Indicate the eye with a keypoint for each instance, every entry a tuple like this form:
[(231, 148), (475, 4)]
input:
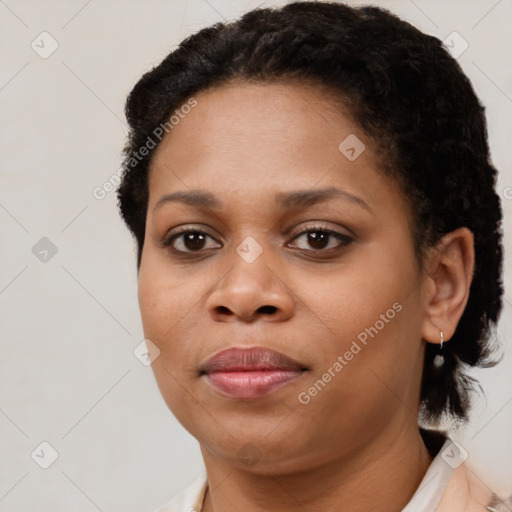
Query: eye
[(323, 239), (320, 238), (188, 240)]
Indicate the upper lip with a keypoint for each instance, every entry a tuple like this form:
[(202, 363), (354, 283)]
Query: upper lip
[(253, 358)]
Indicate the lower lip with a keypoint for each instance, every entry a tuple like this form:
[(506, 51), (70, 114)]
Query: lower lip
[(251, 384)]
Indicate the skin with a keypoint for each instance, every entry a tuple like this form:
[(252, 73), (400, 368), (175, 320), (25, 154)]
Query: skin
[(356, 442)]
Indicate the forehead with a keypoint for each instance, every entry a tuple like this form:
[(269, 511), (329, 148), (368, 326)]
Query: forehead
[(278, 117), (244, 141)]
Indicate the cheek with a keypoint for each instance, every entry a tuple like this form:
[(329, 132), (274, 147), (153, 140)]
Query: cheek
[(354, 296), (165, 311), (164, 303), (370, 315), (155, 303)]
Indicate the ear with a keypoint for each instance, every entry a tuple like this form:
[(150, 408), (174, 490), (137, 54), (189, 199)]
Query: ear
[(449, 269)]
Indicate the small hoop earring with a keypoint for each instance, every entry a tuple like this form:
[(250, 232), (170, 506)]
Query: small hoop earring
[(442, 339)]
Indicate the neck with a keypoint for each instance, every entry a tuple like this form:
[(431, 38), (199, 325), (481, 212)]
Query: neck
[(383, 476)]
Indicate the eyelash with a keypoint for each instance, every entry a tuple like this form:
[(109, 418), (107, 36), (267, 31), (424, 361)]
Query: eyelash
[(344, 240)]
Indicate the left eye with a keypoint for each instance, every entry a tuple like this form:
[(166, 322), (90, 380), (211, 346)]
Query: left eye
[(320, 239)]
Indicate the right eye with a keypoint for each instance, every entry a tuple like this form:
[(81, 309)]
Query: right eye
[(188, 241)]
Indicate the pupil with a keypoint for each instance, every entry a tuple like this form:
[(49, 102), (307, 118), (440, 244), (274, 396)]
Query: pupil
[(319, 239), (192, 244)]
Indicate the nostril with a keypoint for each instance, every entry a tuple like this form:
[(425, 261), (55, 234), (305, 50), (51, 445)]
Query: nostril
[(223, 310)]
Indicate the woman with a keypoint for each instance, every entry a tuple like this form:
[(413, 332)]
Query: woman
[(319, 258)]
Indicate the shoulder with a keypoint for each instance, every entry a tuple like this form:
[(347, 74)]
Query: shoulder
[(460, 487), (189, 499)]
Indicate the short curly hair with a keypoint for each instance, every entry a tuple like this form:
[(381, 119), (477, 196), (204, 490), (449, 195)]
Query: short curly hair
[(408, 95)]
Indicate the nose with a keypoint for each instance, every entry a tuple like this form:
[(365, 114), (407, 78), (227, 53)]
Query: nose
[(250, 291)]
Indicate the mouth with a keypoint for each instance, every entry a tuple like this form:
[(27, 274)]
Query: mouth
[(249, 373)]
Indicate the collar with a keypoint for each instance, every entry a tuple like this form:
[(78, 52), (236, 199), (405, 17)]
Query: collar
[(431, 489)]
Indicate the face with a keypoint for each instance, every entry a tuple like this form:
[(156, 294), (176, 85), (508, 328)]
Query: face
[(327, 277)]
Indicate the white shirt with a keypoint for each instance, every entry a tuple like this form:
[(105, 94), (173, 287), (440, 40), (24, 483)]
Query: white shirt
[(425, 499)]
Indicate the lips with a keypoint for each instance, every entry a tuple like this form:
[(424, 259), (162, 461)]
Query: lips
[(248, 373), (250, 359)]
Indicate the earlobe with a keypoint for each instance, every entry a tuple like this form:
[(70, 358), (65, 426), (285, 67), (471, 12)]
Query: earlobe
[(450, 268)]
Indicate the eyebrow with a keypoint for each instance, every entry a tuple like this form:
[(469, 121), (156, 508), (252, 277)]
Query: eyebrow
[(288, 200)]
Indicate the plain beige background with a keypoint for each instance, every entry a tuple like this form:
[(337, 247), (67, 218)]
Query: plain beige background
[(69, 316)]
